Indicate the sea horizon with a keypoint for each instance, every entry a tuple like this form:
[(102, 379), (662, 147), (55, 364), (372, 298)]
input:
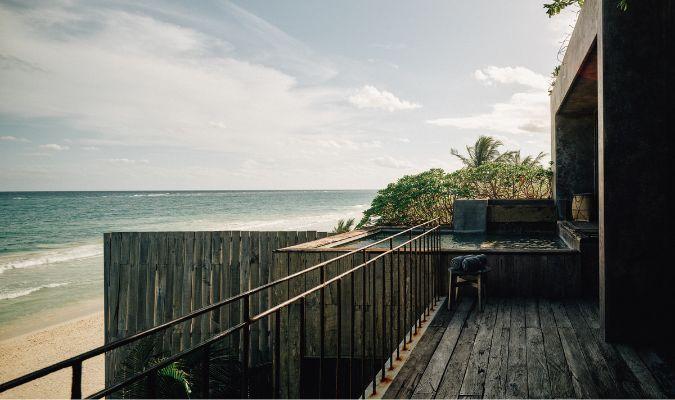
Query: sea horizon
[(51, 248)]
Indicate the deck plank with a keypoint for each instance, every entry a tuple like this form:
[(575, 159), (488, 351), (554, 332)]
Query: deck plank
[(538, 383), (431, 378), (648, 383), (516, 374), (532, 314), (661, 371), (558, 372), (409, 375), (454, 372), (627, 383), (600, 372), (560, 315), (495, 379), (580, 373), (530, 348), (474, 377)]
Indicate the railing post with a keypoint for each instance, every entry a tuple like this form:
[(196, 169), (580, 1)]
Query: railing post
[(425, 276), (405, 295), (384, 319), (391, 307), (301, 352), (373, 307), (398, 303), (246, 338), (352, 326), (363, 326), (76, 383), (276, 361), (322, 329), (415, 279), (339, 338)]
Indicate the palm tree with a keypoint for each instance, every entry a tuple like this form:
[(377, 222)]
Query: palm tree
[(343, 226), (530, 161), (485, 150)]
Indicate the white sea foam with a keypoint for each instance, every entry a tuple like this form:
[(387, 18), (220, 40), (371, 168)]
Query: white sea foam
[(26, 292), (151, 195), (36, 259)]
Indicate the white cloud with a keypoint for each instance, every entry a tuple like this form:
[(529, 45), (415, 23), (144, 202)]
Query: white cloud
[(522, 113), (507, 75), (403, 140), (142, 81), (90, 148), (391, 162), (371, 97), (12, 139), (53, 146), (126, 161)]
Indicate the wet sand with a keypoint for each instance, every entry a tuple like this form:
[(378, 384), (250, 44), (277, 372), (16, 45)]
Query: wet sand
[(28, 352)]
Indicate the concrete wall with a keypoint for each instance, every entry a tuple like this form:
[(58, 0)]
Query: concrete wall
[(521, 216), (575, 158), (636, 126)]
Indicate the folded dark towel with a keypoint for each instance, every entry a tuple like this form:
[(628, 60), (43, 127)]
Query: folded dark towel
[(468, 264), (474, 263), (456, 263)]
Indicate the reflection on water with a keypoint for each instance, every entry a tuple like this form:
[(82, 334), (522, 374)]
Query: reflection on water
[(474, 241)]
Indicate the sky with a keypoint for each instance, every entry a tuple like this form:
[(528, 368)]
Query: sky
[(238, 95)]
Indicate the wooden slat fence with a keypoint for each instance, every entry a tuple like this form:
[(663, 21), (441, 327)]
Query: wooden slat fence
[(154, 277)]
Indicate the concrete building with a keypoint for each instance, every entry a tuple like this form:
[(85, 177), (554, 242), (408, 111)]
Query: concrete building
[(613, 125)]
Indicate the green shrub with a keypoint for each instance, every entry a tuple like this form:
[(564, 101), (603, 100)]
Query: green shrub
[(417, 198)]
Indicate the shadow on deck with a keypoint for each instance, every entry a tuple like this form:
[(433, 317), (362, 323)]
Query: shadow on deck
[(527, 348)]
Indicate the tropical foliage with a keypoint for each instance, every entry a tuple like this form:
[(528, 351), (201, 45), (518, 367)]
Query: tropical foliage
[(430, 194), (412, 198), (171, 381), (343, 225), (485, 150), (556, 6), (514, 157)]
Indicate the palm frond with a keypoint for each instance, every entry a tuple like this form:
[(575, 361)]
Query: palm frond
[(343, 226)]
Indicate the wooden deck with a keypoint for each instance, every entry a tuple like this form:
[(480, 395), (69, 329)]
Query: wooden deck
[(527, 348)]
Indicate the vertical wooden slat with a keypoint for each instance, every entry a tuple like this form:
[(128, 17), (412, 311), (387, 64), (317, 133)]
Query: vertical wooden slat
[(196, 299), (266, 239), (205, 264), (253, 282), (235, 308), (216, 269)]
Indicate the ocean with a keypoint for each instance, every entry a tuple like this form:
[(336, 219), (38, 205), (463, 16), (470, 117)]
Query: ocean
[(51, 251)]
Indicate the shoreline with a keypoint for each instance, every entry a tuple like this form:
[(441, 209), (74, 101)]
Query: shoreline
[(73, 329), (51, 318)]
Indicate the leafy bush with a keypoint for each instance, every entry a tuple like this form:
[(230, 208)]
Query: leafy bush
[(413, 198), (417, 198)]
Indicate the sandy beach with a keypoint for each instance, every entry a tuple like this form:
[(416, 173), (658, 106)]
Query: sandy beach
[(30, 351)]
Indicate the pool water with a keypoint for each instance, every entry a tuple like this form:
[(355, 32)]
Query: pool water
[(472, 241)]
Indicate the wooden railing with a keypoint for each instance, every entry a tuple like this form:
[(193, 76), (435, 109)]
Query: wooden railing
[(417, 264)]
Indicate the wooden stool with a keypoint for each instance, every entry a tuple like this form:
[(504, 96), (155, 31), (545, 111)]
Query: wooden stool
[(475, 279)]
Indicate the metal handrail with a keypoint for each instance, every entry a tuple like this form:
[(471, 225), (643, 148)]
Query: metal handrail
[(75, 362)]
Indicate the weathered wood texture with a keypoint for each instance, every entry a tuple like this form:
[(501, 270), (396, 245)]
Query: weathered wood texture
[(552, 275), (154, 277), (387, 297), (528, 348)]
